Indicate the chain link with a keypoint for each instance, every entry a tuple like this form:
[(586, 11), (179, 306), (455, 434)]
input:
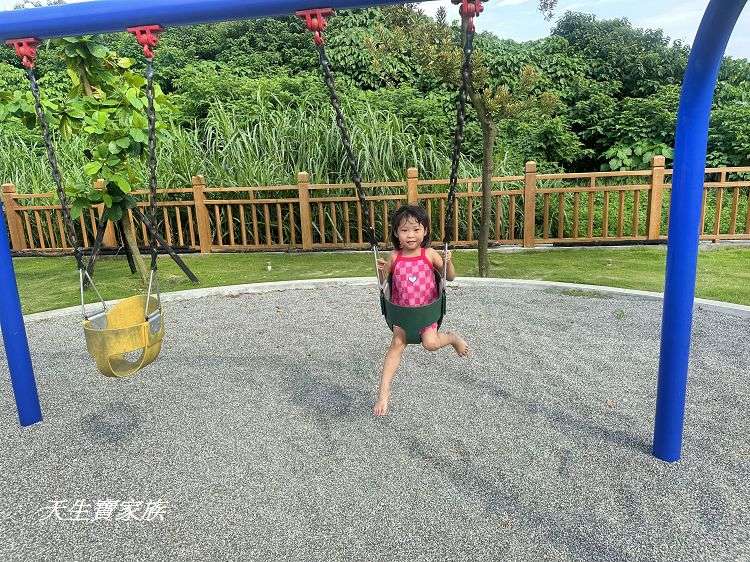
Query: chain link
[(69, 228), (346, 141), (459, 134), (151, 113)]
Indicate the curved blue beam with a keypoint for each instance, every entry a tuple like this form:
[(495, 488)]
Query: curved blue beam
[(691, 141), (116, 15)]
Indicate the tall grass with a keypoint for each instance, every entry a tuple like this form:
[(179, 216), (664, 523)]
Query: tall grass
[(271, 145), (24, 163), (266, 147)]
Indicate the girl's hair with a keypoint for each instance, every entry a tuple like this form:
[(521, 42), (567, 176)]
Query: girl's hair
[(405, 213)]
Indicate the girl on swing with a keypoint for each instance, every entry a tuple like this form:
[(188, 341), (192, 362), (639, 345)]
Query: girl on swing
[(412, 263)]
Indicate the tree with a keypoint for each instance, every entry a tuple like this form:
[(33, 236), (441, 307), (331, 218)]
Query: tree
[(493, 102), (639, 129), (493, 105), (642, 60), (547, 7), (364, 46), (729, 137), (106, 103)]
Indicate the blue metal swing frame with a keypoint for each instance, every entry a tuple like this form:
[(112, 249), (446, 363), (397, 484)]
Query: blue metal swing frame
[(685, 206)]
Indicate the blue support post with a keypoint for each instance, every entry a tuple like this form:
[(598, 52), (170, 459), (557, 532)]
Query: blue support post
[(106, 16), (691, 141), (14, 336)]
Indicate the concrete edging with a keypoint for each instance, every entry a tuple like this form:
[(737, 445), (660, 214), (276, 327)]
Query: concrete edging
[(740, 310)]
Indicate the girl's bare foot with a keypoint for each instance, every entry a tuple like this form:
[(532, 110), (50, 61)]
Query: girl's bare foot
[(461, 347), (381, 407)]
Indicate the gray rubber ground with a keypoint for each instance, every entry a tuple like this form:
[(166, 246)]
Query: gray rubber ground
[(255, 427)]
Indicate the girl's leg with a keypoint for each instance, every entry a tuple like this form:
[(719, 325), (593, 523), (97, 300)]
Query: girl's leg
[(432, 340), (392, 361)]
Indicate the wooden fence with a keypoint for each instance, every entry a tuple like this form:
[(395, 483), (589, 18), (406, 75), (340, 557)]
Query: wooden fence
[(526, 210)]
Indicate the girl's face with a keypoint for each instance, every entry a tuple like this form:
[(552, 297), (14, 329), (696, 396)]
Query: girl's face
[(410, 234)]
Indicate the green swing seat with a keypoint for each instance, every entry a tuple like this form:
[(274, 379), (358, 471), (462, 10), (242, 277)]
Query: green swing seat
[(412, 319)]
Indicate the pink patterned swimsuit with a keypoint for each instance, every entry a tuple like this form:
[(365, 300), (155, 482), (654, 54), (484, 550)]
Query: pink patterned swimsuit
[(414, 283)]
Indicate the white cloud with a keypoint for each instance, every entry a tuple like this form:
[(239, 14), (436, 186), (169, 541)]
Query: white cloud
[(683, 24), (431, 8), (585, 5), (688, 16)]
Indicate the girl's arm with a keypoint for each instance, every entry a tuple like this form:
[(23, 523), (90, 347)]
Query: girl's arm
[(436, 259), (384, 267), (437, 263)]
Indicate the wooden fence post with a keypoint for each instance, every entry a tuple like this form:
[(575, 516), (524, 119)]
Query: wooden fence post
[(655, 197), (719, 204), (109, 240), (303, 188), (13, 218), (201, 215), (412, 192), (529, 205)]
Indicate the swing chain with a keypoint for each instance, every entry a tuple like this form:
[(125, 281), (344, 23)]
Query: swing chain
[(151, 113), (458, 137), (147, 37), (26, 51), (316, 23), (346, 141), (55, 169)]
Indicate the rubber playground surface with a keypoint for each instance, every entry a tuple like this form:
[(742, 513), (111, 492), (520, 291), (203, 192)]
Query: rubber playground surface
[(251, 437)]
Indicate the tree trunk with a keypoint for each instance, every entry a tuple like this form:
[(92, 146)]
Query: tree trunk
[(101, 226), (121, 242), (132, 244), (87, 89), (489, 134)]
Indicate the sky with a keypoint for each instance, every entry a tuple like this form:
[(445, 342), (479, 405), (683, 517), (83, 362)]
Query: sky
[(520, 20)]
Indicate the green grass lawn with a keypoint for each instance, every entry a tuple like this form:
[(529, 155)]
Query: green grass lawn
[(723, 273)]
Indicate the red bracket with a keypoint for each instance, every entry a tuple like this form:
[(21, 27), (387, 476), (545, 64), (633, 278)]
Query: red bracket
[(25, 49), (147, 37), (316, 21), (470, 9)]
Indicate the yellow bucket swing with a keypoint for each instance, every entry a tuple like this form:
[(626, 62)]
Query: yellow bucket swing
[(127, 336), (124, 338)]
